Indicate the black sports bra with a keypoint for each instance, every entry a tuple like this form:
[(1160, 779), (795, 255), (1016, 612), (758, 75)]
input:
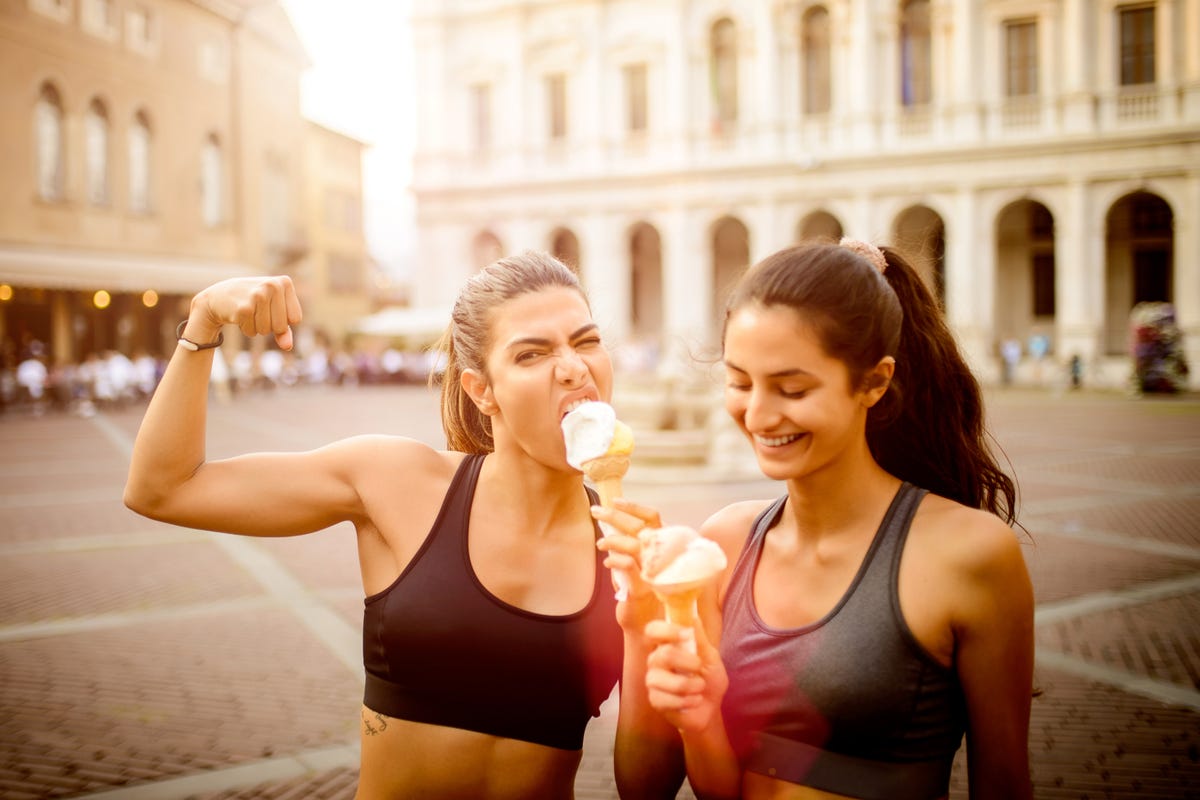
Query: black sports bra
[(439, 648)]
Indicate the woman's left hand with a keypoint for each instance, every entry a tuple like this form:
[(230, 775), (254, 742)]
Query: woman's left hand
[(622, 524)]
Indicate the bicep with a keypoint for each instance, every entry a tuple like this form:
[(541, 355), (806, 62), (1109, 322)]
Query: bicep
[(268, 494)]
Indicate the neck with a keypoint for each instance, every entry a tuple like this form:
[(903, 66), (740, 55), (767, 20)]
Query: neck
[(521, 488), (841, 497)]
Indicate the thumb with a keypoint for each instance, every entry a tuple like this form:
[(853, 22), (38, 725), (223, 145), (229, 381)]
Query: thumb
[(284, 340), (711, 621)]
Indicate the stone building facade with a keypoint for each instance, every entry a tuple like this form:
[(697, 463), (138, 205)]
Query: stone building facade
[(150, 149), (1039, 159)]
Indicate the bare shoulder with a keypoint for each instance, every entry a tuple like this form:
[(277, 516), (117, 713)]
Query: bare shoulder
[(730, 526), (970, 537), (979, 551), (371, 455)]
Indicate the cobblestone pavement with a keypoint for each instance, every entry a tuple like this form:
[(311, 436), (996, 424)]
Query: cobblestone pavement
[(143, 661)]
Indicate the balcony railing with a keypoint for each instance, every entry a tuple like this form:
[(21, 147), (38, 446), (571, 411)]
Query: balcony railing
[(1021, 113), (1137, 103)]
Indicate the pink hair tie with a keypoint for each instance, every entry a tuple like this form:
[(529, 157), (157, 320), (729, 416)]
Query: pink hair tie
[(867, 250)]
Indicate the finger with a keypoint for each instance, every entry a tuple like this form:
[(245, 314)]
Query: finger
[(649, 516), (620, 543), (278, 307), (626, 523), (279, 314), (709, 629), (674, 657), (295, 315), (673, 683), (666, 702), (621, 562), (660, 631), (262, 308)]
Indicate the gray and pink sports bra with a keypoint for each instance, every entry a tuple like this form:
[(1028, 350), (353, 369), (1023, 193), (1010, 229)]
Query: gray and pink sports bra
[(851, 704)]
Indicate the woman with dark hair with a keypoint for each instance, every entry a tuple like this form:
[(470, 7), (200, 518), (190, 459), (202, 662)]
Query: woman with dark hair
[(881, 608), (489, 633)]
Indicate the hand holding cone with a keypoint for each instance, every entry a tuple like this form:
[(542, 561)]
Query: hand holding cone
[(678, 563)]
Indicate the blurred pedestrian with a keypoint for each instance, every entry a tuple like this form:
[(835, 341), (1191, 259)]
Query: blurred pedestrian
[(881, 608), (32, 376), (490, 636), (1010, 356)]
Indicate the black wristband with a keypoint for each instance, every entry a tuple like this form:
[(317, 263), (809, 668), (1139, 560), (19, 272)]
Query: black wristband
[(190, 345)]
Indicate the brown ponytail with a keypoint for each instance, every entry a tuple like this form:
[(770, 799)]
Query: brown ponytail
[(929, 427)]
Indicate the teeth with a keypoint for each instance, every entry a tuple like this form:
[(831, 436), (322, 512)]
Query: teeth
[(776, 441), (576, 405)]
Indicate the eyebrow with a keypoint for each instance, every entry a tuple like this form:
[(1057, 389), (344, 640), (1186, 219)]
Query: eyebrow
[(783, 373), (539, 341)]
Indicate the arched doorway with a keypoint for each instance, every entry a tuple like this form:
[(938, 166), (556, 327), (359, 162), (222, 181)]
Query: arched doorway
[(1139, 256), (564, 245), (485, 248), (1025, 276), (645, 285), (819, 226), (920, 235), (730, 243)]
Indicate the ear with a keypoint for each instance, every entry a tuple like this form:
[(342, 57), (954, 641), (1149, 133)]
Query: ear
[(877, 381), (479, 390)]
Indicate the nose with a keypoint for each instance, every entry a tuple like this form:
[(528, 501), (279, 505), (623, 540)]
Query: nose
[(760, 411), (570, 368)]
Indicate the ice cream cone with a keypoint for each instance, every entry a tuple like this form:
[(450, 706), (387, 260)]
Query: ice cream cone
[(680, 605), (606, 473), (599, 445)]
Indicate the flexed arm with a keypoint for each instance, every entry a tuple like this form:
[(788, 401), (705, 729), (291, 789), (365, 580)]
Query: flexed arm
[(263, 494)]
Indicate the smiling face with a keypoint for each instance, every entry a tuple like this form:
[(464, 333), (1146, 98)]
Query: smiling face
[(793, 400), (545, 356)]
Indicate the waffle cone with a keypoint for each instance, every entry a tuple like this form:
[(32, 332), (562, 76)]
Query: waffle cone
[(606, 472), (681, 607)]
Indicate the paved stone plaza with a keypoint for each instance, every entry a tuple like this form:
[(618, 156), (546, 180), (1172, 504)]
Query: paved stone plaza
[(143, 661)]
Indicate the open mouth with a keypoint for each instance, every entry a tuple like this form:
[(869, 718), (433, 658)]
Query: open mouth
[(574, 406)]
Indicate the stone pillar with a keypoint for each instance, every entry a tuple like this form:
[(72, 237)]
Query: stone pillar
[(687, 291), (970, 278), (1079, 279), (606, 273), (1078, 44), (62, 331), (1187, 276), (1189, 79)]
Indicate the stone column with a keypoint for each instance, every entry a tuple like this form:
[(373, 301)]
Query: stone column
[(1078, 44), (970, 278), (687, 290), (1189, 78), (604, 254), (1187, 276), (1079, 278)]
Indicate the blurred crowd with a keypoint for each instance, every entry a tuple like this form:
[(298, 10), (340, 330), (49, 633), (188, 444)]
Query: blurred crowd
[(30, 383)]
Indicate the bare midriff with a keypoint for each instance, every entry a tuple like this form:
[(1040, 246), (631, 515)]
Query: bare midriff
[(403, 759), (763, 787)]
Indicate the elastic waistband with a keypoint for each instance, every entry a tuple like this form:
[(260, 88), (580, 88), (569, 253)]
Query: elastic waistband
[(804, 764), (470, 710)]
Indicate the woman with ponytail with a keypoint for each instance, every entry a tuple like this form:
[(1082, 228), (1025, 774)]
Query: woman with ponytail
[(489, 633), (880, 610)]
